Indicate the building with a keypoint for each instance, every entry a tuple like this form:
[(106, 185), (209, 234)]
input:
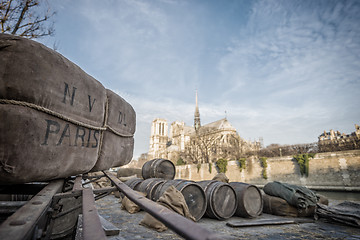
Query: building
[(335, 140), (197, 144)]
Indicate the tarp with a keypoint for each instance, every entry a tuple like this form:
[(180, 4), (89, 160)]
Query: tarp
[(297, 196), (345, 212)]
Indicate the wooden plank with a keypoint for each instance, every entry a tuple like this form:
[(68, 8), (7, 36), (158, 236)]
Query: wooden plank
[(109, 228), (21, 224), (264, 222)]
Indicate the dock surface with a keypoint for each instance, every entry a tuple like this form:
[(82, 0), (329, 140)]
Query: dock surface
[(110, 209)]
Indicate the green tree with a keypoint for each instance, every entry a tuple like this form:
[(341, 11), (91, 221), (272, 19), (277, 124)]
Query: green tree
[(222, 165), (180, 161), (263, 161), (303, 162), (242, 163)]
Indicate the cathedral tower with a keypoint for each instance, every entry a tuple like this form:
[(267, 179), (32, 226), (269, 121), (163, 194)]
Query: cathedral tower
[(158, 138), (197, 123)]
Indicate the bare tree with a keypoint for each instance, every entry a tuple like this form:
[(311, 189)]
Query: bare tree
[(191, 153), (231, 148), (276, 150), (26, 18), (207, 144), (201, 148)]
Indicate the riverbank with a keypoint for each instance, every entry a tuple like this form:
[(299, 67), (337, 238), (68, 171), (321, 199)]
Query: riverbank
[(331, 171), (110, 208)]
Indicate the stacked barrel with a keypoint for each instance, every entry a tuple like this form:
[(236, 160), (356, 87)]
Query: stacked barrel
[(213, 199)]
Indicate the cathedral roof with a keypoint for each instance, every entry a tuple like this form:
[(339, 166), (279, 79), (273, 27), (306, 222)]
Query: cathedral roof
[(188, 130), (222, 124)]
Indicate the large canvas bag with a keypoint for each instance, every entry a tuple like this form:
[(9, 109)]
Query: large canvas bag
[(52, 115)]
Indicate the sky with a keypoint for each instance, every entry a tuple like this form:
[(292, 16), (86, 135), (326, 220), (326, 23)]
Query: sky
[(281, 70)]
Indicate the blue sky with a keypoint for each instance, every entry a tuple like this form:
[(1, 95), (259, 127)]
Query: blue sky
[(282, 70)]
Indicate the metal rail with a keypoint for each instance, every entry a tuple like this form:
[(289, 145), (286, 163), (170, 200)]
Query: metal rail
[(92, 228), (28, 221), (78, 193), (179, 224), (21, 224)]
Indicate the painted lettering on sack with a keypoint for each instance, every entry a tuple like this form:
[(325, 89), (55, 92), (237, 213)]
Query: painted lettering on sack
[(66, 134), (67, 93), (70, 93), (91, 104), (122, 119)]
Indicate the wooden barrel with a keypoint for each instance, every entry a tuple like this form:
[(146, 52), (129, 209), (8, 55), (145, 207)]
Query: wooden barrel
[(194, 195), (149, 186), (134, 183), (158, 168), (250, 200), (221, 199)]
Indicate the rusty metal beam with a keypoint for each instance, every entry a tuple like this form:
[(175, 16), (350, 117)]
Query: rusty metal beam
[(21, 224), (179, 224), (92, 228), (77, 183), (78, 193)]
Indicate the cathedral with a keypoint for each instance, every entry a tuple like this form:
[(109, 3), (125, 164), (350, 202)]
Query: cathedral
[(198, 143)]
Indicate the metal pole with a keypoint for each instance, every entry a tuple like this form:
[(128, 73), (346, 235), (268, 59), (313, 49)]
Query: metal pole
[(179, 224)]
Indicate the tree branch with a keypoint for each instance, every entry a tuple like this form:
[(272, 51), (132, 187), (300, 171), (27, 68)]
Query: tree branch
[(6, 15), (21, 17)]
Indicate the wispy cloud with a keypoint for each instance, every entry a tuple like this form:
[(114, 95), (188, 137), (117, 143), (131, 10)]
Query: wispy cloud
[(283, 70), (298, 57)]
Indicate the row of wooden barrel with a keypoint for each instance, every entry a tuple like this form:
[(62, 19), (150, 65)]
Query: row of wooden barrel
[(210, 198)]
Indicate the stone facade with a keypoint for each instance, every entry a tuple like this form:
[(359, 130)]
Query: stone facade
[(158, 138), (335, 140)]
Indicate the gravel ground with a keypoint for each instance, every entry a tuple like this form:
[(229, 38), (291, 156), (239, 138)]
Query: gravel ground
[(110, 208)]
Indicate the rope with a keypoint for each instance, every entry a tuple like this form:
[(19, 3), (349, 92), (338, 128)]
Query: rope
[(7, 168), (58, 115), (101, 133)]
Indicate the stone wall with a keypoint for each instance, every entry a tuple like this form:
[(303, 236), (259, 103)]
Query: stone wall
[(327, 171)]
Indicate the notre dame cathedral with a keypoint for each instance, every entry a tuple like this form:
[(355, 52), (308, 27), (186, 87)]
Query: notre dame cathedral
[(198, 143)]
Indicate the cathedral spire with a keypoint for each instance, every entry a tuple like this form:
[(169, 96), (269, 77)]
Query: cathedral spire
[(197, 124)]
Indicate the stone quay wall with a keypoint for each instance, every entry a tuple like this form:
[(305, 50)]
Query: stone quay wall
[(335, 171)]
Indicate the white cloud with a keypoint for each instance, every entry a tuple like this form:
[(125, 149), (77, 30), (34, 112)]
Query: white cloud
[(292, 67), (285, 70)]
